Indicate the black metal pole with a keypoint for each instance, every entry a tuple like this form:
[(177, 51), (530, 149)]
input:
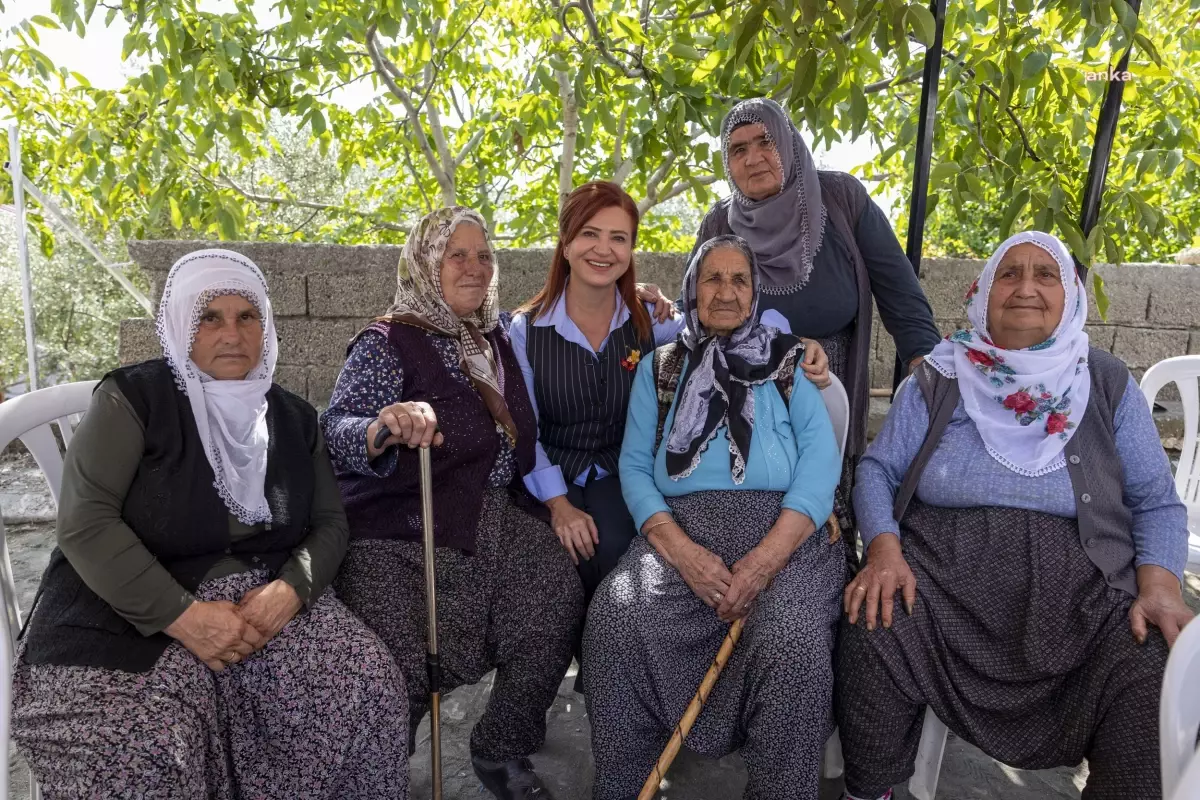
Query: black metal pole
[(1106, 131), (930, 78)]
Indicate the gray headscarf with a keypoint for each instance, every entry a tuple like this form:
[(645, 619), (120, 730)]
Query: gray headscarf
[(717, 388), (784, 230)]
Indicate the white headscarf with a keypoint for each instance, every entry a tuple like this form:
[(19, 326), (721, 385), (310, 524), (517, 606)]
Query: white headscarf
[(231, 416), (1026, 404)]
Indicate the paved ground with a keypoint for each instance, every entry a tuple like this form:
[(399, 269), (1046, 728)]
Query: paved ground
[(566, 761)]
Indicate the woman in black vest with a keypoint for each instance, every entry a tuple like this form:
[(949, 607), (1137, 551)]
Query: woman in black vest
[(182, 644), (579, 341), (508, 598), (1019, 500)]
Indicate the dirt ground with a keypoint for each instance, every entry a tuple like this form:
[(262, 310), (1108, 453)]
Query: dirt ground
[(565, 762)]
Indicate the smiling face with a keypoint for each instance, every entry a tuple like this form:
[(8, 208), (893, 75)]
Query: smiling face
[(602, 251), (754, 162), (724, 291), (229, 340), (1027, 297), (467, 267)]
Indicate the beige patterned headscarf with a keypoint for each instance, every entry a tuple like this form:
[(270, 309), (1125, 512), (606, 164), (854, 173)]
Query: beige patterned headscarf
[(420, 301)]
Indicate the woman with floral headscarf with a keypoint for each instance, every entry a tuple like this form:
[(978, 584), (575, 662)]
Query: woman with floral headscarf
[(826, 252), (438, 369), (182, 644), (1019, 500), (728, 467)]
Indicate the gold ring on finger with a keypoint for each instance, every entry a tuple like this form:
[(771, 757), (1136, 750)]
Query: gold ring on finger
[(860, 588)]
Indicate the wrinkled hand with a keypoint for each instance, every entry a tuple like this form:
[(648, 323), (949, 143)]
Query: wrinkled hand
[(575, 529), (413, 424), (705, 574), (816, 363), (1159, 603), (885, 573), (751, 574), (269, 608), (215, 633), (650, 293)]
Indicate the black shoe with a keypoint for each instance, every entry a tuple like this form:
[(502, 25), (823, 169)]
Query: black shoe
[(510, 780)]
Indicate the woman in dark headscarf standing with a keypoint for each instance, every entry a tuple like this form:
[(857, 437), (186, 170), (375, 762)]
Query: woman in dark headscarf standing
[(825, 250)]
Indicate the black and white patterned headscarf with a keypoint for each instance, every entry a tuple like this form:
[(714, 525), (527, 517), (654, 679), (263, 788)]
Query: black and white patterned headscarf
[(717, 388), (784, 230), (231, 416)]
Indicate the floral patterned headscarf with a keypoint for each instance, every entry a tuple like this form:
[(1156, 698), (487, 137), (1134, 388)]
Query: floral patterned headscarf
[(420, 301), (1026, 404)]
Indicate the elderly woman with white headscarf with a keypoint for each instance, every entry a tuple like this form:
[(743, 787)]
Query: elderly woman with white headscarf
[(826, 252), (728, 467), (439, 369), (182, 643), (1019, 501)]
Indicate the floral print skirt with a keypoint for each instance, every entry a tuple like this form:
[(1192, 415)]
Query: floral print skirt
[(319, 713)]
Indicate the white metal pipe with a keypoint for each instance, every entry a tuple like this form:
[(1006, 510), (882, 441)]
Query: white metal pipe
[(14, 168)]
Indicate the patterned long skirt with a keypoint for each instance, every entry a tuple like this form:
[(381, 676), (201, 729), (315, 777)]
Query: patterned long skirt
[(1018, 644), (515, 606), (649, 640), (318, 713)]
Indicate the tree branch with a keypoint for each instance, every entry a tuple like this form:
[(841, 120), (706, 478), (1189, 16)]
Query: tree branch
[(896, 80), (388, 72), (264, 199), (676, 189), (466, 149), (1012, 116), (585, 7)]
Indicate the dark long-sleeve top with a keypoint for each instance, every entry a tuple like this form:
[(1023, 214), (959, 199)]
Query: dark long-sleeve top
[(99, 468), (828, 303)]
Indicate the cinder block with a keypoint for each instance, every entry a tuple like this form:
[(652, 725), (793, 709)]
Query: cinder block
[(287, 290), (1174, 296), (1141, 348), (1101, 336), (352, 293), (1194, 342), (294, 379), (138, 341), (1128, 293), (308, 342), (321, 381)]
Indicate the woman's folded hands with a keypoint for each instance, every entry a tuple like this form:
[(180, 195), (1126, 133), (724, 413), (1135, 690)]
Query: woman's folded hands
[(220, 633)]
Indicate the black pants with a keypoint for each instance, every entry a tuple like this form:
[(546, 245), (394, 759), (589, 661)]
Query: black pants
[(602, 499)]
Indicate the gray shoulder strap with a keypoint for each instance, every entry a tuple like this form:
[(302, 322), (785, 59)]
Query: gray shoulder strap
[(941, 397)]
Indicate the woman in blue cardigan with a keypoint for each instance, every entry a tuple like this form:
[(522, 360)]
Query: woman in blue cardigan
[(726, 465)]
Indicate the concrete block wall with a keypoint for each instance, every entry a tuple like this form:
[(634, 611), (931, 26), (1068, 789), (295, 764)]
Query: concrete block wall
[(323, 294)]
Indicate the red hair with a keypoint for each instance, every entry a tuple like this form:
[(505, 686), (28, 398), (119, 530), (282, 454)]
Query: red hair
[(580, 206)]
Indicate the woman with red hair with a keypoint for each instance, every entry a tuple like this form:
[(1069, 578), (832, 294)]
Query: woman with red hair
[(579, 341)]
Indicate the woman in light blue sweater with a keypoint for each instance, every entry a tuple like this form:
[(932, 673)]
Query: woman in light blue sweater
[(728, 468)]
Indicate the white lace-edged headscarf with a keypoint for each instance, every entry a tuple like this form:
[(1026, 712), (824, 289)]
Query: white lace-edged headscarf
[(1026, 404), (231, 416)]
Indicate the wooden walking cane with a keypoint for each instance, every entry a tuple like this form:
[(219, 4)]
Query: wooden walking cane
[(701, 697), (433, 664)]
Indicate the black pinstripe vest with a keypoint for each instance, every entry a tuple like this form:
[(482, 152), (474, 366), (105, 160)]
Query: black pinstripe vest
[(582, 398)]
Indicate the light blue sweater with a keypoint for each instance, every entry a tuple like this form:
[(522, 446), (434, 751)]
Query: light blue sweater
[(792, 450)]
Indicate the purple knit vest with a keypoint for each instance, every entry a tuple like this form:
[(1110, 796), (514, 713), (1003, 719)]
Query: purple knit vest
[(390, 508)]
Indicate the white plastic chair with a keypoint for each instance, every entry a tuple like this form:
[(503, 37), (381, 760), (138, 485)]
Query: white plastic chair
[(923, 784), (1184, 371), (28, 417), (1179, 717)]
